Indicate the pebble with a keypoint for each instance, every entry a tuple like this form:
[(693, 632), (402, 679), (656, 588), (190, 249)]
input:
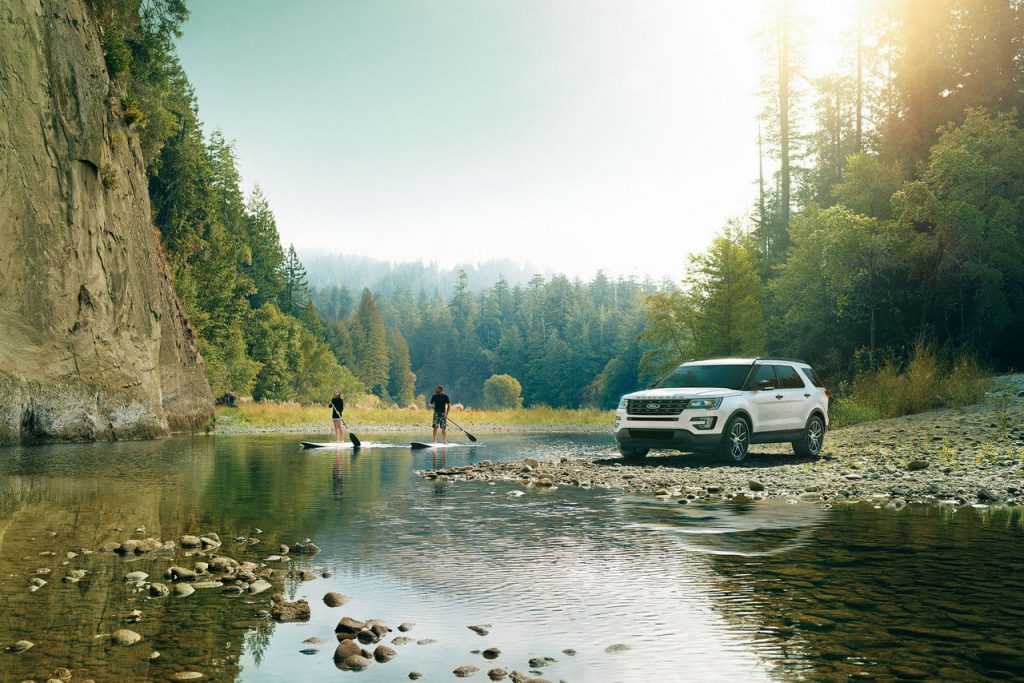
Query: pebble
[(480, 629), (465, 671), (20, 646), (405, 627), (617, 647), (415, 675), (491, 653)]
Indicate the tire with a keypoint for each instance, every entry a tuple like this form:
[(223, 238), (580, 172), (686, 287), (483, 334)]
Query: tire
[(633, 453), (813, 439), (735, 441)]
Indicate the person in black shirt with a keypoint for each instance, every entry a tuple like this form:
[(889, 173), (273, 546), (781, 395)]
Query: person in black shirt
[(441, 404), (337, 405)]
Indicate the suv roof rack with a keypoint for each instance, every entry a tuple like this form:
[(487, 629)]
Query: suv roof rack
[(790, 360)]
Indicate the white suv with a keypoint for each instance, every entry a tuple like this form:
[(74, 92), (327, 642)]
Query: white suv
[(724, 405)]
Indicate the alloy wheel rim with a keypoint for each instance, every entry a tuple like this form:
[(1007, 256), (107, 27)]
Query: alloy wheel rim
[(814, 435), (738, 436)]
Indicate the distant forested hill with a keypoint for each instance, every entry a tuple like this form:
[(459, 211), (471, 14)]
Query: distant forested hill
[(384, 278)]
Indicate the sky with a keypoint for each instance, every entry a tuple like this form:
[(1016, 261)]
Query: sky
[(576, 135)]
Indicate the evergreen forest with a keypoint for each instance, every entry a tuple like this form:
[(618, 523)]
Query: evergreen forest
[(890, 213)]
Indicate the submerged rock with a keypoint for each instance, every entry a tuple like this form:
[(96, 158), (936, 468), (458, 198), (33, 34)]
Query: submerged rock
[(124, 636), (283, 611), (465, 671), (383, 653), (480, 629)]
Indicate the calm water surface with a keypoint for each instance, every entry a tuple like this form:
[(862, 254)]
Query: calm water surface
[(738, 591)]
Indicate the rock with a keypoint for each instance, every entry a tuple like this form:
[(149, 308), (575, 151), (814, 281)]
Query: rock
[(465, 671), (569, 651), (208, 542), (183, 590), (415, 675), (383, 653), (401, 640), (135, 577), (158, 590), (538, 662), (405, 627), (915, 465), (308, 548), (180, 574), (491, 653), (223, 565), (123, 636), (987, 494), (810, 496), (366, 637), (497, 674), (61, 674), (480, 629), (307, 575), (755, 485), (349, 625), (20, 646), (284, 611), (309, 651), (259, 585), (313, 640), (357, 662), (333, 599), (426, 641), (207, 584), (38, 583), (617, 647), (186, 676), (531, 462), (189, 541), (346, 649)]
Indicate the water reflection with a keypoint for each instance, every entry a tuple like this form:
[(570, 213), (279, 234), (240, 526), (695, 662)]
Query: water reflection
[(745, 590)]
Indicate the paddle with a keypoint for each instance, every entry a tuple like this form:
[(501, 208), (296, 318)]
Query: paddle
[(468, 435), (355, 439)]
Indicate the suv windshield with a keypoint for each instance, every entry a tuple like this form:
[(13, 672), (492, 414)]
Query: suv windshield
[(705, 377)]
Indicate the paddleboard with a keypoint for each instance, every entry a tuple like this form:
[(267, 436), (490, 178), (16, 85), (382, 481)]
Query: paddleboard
[(420, 444), (329, 444)]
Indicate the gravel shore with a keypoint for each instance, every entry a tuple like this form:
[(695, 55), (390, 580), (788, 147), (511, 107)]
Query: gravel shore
[(972, 455)]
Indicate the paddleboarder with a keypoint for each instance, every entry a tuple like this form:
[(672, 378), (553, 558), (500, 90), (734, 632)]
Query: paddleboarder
[(337, 405), (441, 404)]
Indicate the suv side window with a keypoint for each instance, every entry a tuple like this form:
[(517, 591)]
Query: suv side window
[(813, 376), (760, 374), (788, 377)]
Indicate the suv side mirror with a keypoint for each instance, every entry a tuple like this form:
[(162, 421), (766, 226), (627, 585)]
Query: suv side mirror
[(765, 385), (651, 385)]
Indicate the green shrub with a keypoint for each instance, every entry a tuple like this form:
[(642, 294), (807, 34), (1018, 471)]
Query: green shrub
[(847, 412), (966, 383)]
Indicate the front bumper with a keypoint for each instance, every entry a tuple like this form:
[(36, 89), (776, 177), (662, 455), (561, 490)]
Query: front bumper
[(679, 433)]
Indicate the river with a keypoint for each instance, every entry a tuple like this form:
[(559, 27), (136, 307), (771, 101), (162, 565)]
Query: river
[(635, 589)]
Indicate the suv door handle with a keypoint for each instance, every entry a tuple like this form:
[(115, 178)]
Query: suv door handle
[(778, 395), (807, 395)]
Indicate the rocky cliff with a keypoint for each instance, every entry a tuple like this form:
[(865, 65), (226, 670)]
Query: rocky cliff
[(93, 341)]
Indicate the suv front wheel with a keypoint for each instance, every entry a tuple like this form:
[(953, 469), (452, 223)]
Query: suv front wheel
[(813, 439), (735, 440)]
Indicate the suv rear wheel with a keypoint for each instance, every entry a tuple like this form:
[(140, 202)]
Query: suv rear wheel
[(735, 440), (813, 439), (633, 453)]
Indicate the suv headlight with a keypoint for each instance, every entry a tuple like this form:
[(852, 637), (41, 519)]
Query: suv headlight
[(704, 403), (622, 403)]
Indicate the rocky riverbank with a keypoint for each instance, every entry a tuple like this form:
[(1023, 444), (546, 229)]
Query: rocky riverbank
[(973, 455)]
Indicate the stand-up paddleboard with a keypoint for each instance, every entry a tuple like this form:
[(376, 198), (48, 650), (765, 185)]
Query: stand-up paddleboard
[(328, 444), (420, 444)]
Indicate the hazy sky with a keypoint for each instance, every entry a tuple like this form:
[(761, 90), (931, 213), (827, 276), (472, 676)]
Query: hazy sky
[(574, 134)]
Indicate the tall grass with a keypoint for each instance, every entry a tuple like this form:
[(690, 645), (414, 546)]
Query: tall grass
[(270, 415), (923, 383)]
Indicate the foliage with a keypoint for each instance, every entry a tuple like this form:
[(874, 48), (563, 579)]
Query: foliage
[(502, 392), (924, 381)]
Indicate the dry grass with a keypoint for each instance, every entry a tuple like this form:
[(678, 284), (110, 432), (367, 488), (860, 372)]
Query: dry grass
[(925, 383)]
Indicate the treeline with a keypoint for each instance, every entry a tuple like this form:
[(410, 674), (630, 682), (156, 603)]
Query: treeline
[(346, 275), (564, 343), (894, 212), (246, 298)]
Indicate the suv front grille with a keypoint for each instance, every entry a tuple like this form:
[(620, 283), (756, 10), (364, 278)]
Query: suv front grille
[(656, 406)]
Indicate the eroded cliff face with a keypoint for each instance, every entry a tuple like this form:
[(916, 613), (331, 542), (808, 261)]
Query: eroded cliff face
[(93, 341)]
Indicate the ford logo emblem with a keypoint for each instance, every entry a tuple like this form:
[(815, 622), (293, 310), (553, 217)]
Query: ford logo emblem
[(653, 406)]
